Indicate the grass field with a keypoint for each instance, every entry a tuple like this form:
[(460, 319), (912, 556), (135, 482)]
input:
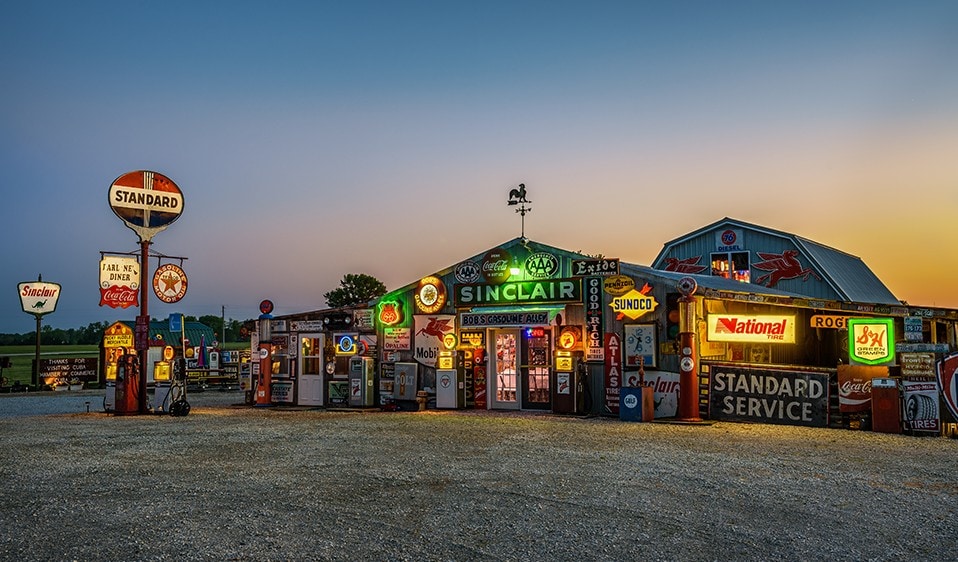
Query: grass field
[(22, 356)]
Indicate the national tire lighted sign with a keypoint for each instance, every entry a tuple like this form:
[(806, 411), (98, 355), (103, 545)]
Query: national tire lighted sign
[(751, 328)]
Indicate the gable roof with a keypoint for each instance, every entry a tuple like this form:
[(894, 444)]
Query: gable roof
[(846, 274)]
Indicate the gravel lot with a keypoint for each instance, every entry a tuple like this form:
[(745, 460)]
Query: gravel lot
[(239, 483)]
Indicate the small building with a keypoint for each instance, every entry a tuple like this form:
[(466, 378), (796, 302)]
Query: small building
[(529, 326)]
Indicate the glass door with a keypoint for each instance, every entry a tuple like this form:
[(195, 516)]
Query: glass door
[(311, 370), (534, 368), (504, 370)]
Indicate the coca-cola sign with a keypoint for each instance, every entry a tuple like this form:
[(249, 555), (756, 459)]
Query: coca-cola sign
[(119, 281), (855, 387), (496, 266)]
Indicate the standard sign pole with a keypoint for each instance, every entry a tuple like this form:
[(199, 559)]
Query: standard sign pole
[(147, 202)]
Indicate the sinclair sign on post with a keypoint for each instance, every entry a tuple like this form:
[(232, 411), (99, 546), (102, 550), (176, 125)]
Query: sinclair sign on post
[(147, 202)]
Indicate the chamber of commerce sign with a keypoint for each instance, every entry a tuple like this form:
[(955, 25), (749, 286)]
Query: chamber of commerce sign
[(538, 292), (749, 328)]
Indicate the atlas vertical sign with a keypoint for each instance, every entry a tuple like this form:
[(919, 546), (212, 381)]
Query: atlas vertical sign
[(147, 202)]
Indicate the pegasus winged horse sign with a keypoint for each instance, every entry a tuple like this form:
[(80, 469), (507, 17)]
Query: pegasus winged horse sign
[(782, 266)]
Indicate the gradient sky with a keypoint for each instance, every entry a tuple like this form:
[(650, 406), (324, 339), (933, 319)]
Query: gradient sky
[(314, 139)]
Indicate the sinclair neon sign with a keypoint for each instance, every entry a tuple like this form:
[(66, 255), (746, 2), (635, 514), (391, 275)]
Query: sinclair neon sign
[(751, 328)]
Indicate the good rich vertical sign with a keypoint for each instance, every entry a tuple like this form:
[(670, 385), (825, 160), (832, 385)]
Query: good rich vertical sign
[(593, 319)]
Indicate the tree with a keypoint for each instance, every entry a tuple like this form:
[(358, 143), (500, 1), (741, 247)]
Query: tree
[(355, 288)]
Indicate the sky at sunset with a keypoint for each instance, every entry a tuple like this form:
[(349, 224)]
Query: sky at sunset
[(313, 139)]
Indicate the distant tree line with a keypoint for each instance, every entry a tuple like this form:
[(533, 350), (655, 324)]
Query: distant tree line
[(92, 334)]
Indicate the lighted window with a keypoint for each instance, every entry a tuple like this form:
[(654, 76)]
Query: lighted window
[(732, 265)]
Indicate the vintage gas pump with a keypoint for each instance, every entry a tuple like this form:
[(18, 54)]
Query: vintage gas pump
[(450, 386), (127, 385), (362, 375), (565, 392), (688, 355), (264, 395)]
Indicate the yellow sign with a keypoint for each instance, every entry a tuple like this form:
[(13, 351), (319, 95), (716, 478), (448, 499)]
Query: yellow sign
[(118, 334), (828, 321), (618, 285), (634, 304)]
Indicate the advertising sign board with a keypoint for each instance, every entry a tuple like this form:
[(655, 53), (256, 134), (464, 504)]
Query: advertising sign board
[(38, 297), (147, 202), (738, 393)]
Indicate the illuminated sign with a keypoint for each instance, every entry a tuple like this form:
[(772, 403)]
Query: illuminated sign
[(119, 282), (473, 338), (346, 344), (535, 332), (390, 313), (541, 265), (118, 335), (569, 337), (634, 303), (542, 291), (449, 340), (748, 328), (871, 341), (431, 295)]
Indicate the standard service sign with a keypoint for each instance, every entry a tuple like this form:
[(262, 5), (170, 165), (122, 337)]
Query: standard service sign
[(147, 202)]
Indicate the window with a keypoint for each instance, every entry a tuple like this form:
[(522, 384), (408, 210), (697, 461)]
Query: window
[(732, 265)]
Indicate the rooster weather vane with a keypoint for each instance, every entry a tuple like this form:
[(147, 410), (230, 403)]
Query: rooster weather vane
[(517, 196)]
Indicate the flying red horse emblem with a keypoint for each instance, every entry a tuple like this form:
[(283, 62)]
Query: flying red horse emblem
[(687, 265), (436, 327), (782, 266)]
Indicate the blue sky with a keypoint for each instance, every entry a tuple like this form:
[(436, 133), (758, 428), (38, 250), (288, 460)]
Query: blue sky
[(314, 139)]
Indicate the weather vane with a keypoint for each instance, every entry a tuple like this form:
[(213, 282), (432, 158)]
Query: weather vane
[(517, 196)]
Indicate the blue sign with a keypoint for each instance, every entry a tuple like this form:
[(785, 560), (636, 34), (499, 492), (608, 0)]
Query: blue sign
[(176, 322)]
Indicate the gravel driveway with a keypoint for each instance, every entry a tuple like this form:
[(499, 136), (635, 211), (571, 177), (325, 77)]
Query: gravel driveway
[(240, 483)]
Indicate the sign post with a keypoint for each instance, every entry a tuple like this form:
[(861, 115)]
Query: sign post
[(38, 298), (147, 202)]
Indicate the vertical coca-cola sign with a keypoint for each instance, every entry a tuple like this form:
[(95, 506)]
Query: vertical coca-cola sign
[(119, 281)]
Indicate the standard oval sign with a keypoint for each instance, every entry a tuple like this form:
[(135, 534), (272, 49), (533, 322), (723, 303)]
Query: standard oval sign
[(147, 202)]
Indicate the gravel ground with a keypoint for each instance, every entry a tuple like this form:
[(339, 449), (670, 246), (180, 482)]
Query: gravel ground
[(239, 483)]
